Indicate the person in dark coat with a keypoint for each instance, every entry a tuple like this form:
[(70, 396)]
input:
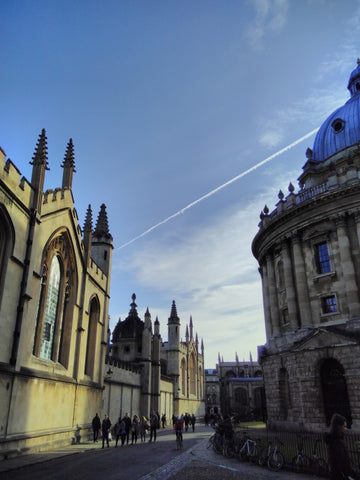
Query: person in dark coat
[(339, 461), (192, 421), (105, 427), (153, 426), (128, 422), (96, 425)]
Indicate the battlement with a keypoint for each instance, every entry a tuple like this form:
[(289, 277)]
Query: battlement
[(98, 275), (17, 184)]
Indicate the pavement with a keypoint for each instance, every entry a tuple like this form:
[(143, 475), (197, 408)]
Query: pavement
[(195, 463)]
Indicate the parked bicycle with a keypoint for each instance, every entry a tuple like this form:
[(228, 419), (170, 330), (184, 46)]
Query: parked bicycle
[(271, 456), (249, 450), (309, 463)]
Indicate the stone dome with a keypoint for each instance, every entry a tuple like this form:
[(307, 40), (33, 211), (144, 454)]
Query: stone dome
[(342, 128)]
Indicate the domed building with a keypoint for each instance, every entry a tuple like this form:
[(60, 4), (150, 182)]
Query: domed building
[(308, 250)]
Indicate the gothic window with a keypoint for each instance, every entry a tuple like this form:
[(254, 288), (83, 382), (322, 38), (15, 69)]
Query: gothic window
[(6, 246), (214, 399), (183, 376), (56, 303), (192, 375), (94, 317), (51, 309), (322, 258), (328, 304)]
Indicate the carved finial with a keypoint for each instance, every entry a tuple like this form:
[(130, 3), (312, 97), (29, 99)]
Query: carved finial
[(309, 153), (291, 188), (281, 195), (266, 210), (102, 225)]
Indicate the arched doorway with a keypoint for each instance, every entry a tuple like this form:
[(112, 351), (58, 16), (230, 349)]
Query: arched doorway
[(334, 388)]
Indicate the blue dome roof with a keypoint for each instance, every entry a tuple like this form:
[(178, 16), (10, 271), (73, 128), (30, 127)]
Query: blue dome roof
[(342, 128)]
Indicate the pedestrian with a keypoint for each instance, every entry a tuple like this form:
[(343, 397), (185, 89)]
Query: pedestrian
[(105, 427), (127, 421), (135, 428), (163, 420), (186, 420), (192, 421), (96, 425), (339, 461), (153, 426), (144, 427), (120, 432)]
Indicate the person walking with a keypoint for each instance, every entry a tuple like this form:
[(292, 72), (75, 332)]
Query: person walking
[(135, 428), (153, 426), (96, 425), (127, 421), (339, 461), (163, 420), (120, 432), (144, 427), (105, 427), (192, 421)]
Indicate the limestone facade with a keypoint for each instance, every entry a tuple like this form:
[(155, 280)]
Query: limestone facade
[(308, 250), (54, 301)]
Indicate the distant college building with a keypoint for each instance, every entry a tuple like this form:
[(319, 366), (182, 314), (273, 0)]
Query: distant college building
[(308, 250), (235, 388)]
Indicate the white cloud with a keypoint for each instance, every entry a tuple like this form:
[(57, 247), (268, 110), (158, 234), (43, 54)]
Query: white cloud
[(270, 16)]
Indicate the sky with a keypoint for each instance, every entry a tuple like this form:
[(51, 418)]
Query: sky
[(180, 112)]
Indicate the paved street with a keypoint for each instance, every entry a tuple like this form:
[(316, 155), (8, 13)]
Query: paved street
[(147, 461)]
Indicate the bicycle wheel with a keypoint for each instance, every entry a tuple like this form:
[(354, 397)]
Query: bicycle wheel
[(228, 451), (263, 456), (300, 463), (276, 461), (254, 455)]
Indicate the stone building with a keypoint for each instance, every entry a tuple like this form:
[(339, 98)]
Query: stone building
[(54, 299), (168, 376), (241, 388), (308, 250)]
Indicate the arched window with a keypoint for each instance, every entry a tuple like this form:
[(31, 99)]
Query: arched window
[(183, 376), (192, 374), (51, 309), (94, 317), (334, 389), (201, 386), (57, 298), (6, 247)]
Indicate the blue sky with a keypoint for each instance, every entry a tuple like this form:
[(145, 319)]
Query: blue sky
[(165, 102)]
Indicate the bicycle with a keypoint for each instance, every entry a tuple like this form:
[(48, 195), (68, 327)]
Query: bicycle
[(249, 450), (179, 439), (271, 456), (312, 463)]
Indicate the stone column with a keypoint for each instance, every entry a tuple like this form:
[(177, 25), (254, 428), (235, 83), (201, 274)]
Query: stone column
[(289, 285), (347, 267), (266, 302), (301, 283), (274, 309)]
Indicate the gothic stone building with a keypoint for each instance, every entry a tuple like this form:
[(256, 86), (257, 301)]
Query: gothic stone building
[(308, 251), (235, 388), (54, 298), (171, 374)]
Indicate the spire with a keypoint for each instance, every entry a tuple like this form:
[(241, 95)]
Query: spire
[(236, 358), (187, 334), (219, 359), (251, 359), (133, 311), (191, 328), (202, 346), (102, 226), (173, 315), (157, 327), (147, 318), (88, 220), (68, 165), (87, 235), (40, 165), (40, 154)]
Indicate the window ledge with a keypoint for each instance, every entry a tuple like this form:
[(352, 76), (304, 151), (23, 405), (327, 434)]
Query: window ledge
[(316, 278)]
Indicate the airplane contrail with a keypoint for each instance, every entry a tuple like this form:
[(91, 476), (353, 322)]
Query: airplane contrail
[(217, 189)]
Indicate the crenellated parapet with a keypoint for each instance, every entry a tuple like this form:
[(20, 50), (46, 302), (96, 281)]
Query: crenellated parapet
[(16, 185)]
